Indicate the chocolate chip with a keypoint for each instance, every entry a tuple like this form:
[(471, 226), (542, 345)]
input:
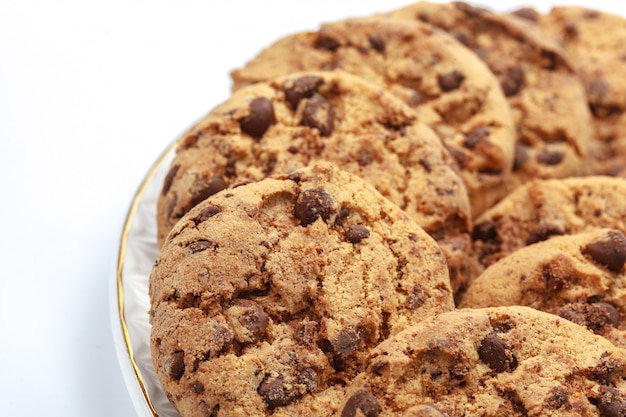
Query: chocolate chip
[(610, 253), (252, 319), (365, 157), (543, 232), (596, 316), (295, 176), (307, 378), (476, 135), (362, 400), (206, 213), (601, 314), (312, 204), (570, 32), (521, 157), (208, 411), (169, 179), (512, 81), (230, 170), (485, 231), (606, 372), (343, 214), (573, 312), (203, 188), (357, 233), (451, 80), (460, 36), (198, 387), (304, 331), (347, 342), (241, 183), (551, 60), (516, 402), (318, 114), (259, 119), (548, 157), (175, 365), (559, 396), (527, 13), (612, 403), (494, 352), (326, 42), (377, 43), (199, 246), (276, 391), (303, 87)]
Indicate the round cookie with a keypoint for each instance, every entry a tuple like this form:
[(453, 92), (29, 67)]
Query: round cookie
[(548, 101), (451, 89), (579, 277), (594, 43), (544, 208), (267, 298), (491, 362), (286, 123)]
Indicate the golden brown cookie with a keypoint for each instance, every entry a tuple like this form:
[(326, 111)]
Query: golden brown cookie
[(291, 121), (544, 208), (491, 362), (267, 298), (594, 43), (579, 277), (451, 89), (552, 119)]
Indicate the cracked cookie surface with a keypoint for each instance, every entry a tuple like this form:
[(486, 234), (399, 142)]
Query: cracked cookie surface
[(593, 42), (267, 297), (548, 101), (579, 277), (449, 87), (543, 208), (491, 362), (287, 123)]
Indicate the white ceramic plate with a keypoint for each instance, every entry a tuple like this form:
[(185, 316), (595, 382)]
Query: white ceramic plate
[(137, 253), (130, 302)]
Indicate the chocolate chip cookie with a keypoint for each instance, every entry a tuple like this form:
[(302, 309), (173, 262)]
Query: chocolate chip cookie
[(544, 208), (594, 43), (267, 297), (288, 122), (451, 89), (491, 362), (548, 100), (579, 277)]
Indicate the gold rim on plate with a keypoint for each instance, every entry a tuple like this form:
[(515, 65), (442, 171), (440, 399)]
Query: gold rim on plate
[(119, 273)]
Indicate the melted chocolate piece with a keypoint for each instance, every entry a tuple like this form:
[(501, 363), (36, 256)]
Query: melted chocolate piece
[(312, 204), (356, 233), (318, 114), (175, 365), (303, 87), (259, 119), (206, 213), (204, 188), (276, 391), (494, 352), (450, 80), (362, 400), (610, 253)]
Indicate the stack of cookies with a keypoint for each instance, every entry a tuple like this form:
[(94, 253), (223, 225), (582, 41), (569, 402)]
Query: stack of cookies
[(418, 213)]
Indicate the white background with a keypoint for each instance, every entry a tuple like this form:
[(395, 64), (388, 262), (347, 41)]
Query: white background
[(91, 92)]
